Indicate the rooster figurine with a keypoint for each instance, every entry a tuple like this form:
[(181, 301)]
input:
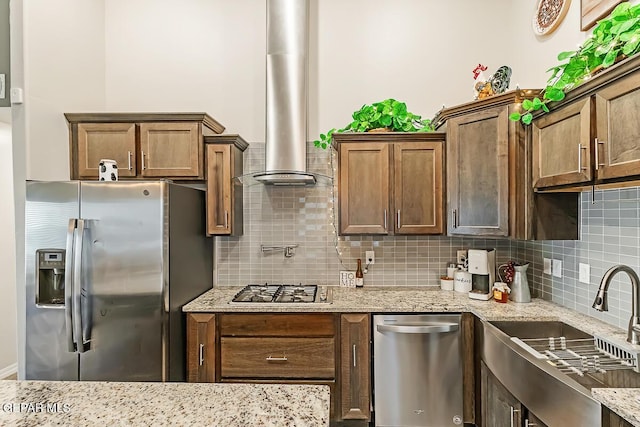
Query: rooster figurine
[(495, 84)]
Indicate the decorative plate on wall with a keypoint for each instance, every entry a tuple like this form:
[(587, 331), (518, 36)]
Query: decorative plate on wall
[(548, 15)]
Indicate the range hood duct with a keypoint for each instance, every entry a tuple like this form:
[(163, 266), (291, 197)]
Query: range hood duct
[(286, 124)]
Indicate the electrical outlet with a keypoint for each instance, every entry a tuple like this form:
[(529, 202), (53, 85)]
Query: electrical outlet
[(348, 279), (547, 266), (557, 268), (583, 274), (370, 257)]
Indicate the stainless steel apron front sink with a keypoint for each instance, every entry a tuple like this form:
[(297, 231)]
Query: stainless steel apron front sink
[(556, 397)]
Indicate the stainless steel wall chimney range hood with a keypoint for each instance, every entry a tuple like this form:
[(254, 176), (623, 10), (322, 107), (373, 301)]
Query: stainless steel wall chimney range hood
[(286, 125)]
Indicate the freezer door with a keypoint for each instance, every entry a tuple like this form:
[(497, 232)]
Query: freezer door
[(123, 281), (48, 208)]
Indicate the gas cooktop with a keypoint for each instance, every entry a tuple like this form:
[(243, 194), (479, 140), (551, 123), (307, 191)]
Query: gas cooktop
[(282, 294)]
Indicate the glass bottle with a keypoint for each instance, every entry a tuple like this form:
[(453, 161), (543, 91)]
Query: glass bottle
[(359, 275)]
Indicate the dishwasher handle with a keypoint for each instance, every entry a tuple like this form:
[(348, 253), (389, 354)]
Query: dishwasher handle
[(426, 328)]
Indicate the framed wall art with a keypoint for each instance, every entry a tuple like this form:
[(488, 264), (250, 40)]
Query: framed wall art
[(592, 10)]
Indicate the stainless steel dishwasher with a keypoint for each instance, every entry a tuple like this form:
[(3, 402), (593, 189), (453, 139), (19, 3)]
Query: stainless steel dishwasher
[(417, 370)]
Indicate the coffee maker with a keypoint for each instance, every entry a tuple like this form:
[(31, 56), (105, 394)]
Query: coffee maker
[(482, 266)]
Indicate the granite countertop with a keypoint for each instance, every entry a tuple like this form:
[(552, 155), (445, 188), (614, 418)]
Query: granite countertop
[(411, 300), (80, 403), (623, 401)]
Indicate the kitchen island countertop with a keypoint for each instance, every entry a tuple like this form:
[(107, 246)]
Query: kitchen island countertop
[(93, 403)]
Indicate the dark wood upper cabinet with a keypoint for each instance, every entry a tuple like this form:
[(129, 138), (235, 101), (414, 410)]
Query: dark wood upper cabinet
[(590, 138), (478, 173), (617, 151), (224, 161), (561, 146), (390, 183), (488, 162), (144, 145)]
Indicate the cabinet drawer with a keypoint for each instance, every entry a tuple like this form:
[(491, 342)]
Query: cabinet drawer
[(278, 324), (277, 357)]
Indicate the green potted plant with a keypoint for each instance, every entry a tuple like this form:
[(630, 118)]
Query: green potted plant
[(388, 115), (613, 39)]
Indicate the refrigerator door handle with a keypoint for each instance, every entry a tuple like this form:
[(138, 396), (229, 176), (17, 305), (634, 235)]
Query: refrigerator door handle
[(77, 287), (68, 286)]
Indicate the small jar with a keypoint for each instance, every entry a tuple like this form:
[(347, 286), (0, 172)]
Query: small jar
[(501, 292)]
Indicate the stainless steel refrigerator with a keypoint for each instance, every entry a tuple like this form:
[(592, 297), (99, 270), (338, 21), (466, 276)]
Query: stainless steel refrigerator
[(108, 267)]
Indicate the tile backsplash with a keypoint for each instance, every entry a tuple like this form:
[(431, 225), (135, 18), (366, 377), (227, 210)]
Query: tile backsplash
[(276, 216), (609, 229)]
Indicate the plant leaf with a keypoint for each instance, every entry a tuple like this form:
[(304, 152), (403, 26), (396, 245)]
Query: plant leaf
[(526, 119), (554, 94), (515, 117), (564, 55), (527, 104), (610, 58)]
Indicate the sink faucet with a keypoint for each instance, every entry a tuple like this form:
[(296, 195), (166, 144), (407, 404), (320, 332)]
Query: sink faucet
[(600, 303)]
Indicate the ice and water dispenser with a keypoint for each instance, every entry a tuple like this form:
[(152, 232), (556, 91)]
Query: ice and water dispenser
[(50, 277)]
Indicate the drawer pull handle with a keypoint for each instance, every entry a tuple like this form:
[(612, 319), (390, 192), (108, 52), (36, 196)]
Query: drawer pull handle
[(201, 355), (276, 359)]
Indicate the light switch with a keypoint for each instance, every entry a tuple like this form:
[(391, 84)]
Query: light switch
[(583, 274), (547, 266), (557, 268)]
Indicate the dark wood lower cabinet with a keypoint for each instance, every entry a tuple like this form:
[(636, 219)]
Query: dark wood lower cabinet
[(499, 407), (611, 419), (201, 347), (287, 348), (355, 355)]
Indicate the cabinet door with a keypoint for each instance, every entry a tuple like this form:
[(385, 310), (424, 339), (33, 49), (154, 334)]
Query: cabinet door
[(355, 366), (499, 407), (561, 146), (201, 347), (363, 188), (115, 141), (477, 173), (219, 189), (417, 187), (617, 150), (171, 150)]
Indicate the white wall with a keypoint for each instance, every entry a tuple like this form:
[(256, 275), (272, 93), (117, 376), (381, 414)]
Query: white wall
[(64, 67), (7, 253)]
